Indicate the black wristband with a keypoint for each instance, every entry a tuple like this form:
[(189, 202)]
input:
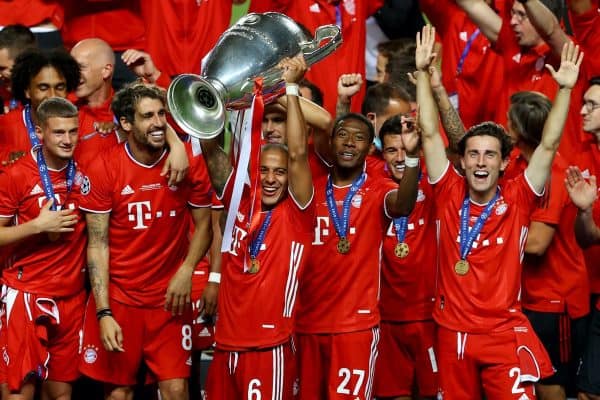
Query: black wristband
[(104, 312), (522, 1)]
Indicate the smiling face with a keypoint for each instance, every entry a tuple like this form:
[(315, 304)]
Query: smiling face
[(273, 176), (149, 125), (590, 111), (482, 162), (350, 143), (274, 124), (47, 83), (59, 137)]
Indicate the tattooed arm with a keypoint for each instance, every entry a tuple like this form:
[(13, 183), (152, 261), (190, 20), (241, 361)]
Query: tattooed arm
[(218, 164), (98, 262), (450, 119)]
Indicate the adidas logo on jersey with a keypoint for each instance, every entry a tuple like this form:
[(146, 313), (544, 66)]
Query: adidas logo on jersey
[(204, 333), (36, 190), (524, 397), (127, 190)]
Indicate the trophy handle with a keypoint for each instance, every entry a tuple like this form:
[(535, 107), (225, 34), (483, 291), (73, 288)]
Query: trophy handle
[(314, 52)]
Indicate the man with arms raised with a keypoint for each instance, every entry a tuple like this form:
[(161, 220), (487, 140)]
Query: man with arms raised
[(271, 239), (484, 341), (140, 260)]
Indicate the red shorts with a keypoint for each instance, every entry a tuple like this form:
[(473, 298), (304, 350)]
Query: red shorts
[(162, 341), (504, 364), (203, 329), (406, 357), (266, 374), (41, 337), (337, 366)]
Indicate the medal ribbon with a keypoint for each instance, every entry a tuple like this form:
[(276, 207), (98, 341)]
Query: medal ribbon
[(260, 237), (466, 50), (341, 227), (35, 142), (45, 176), (468, 237)]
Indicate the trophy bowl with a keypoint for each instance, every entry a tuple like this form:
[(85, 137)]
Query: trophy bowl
[(250, 49)]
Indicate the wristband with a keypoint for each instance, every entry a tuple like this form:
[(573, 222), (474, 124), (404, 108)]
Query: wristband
[(103, 312), (411, 162), (522, 1), (214, 277), (292, 89)]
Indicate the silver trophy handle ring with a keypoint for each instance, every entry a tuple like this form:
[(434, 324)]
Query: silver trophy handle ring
[(314, 52)]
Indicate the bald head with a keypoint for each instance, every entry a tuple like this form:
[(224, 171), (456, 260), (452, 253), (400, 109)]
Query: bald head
[(97, 60)]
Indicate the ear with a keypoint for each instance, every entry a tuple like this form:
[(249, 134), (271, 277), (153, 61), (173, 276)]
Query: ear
[(504, 164), (39, 133), (125, 125), (27, 94), (462, 163), (372, 117), (107, 71)]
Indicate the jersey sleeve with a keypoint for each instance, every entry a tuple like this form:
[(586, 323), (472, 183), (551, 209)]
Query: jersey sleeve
[(96, 188), (551, 207), (9, 202), (439, 13)]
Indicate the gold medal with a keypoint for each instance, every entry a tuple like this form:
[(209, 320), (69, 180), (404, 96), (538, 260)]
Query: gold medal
[(254, 266), (461, 267), (401, 250), (343, 245)]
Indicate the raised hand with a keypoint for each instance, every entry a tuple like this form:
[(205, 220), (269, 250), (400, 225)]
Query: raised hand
[(583, 193), (141, 64), (410, 136), (570, 61), (293, 69), (424, 54), (348, 85)]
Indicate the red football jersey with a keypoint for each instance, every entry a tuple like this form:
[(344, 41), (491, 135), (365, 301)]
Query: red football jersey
[(31, 12), (149, 222), (557, 281), (256, 309), (486, 298), (180, 33), (408, 284), (341, 291), (38, 264), (350, 15), (13, 133), (118, 22), (481, 77)]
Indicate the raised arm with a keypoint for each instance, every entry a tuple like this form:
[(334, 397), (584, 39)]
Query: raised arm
[(546, 24), (218, 164), (539, 165), (300, 182), (177, 163), (483, 16), (433, 145), (450, 119), (583, 194), (98, 270)]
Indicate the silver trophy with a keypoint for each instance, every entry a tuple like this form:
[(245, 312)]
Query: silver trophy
[(249, 49)]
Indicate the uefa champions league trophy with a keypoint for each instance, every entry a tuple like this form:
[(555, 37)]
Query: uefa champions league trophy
[(250, 49)]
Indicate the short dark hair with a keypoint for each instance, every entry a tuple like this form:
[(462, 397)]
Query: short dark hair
[(556, 7), (388, 48), (125, 100), (274, 146), (55, 107), (528, 112), (317, 94), (29, 63), (16, 39), (393, 126), (379, 95), (487, 129), (356, 117), (399, 65)]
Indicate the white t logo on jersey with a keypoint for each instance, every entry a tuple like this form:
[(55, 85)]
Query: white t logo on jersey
[(141, 213), (322, 229), (238, 235)]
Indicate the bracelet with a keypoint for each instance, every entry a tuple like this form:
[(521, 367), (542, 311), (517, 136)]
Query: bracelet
[(103, 312), (411, 162), (522, 1), (214, 277), (292, 89)]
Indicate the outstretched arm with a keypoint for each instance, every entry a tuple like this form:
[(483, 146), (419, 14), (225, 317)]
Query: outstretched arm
[(433, 145), (538, 169), (546, 24), (483, 16), (218, 164), (300, 182)]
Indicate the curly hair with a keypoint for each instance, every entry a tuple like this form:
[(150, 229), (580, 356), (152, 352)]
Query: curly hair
[(125, 100), (29, 63)]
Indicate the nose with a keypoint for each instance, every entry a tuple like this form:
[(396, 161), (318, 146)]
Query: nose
[(583, 110), (270, 177), (481, 160)]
